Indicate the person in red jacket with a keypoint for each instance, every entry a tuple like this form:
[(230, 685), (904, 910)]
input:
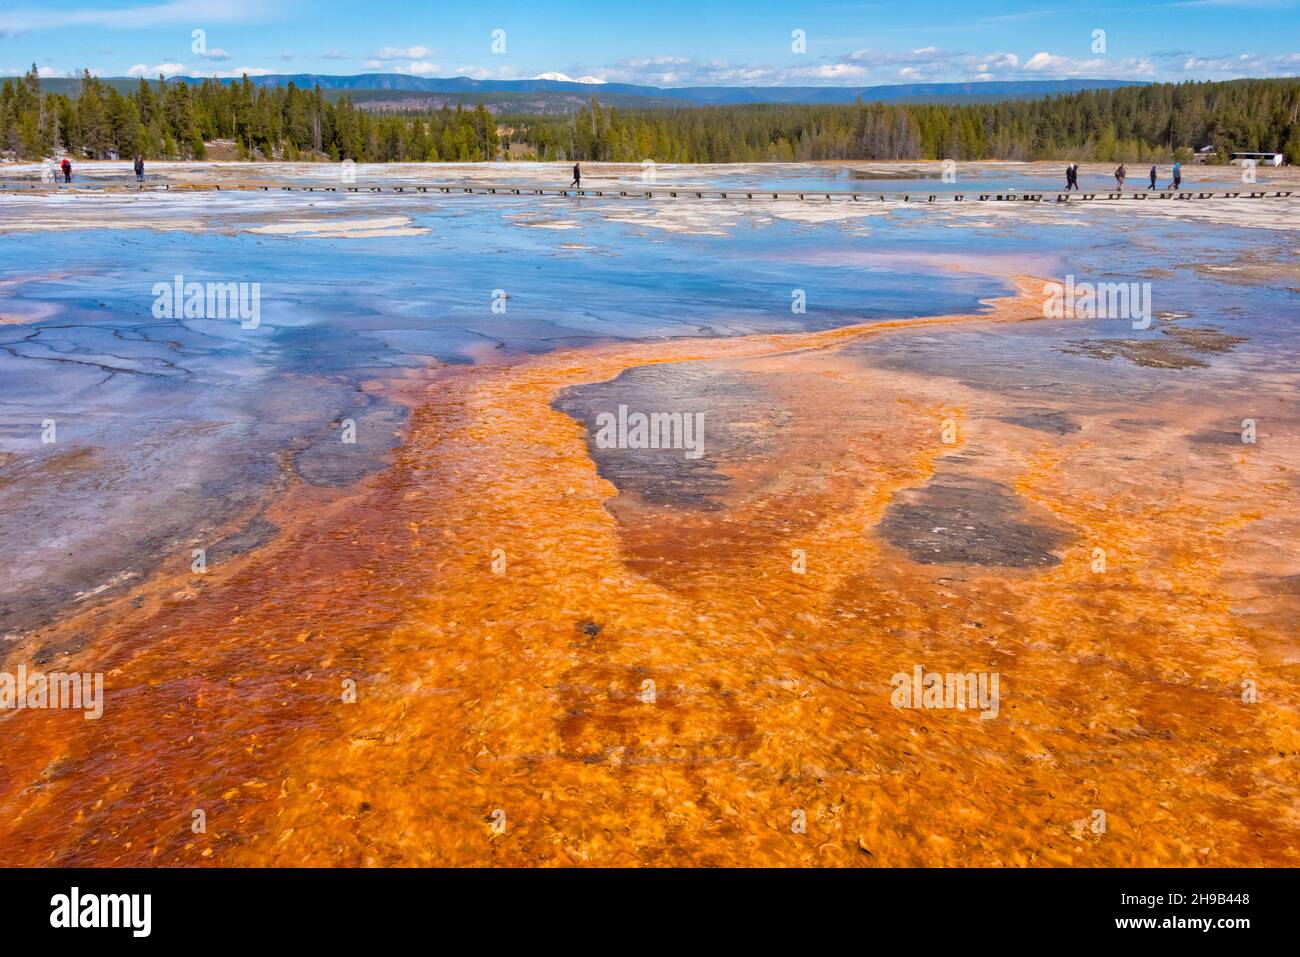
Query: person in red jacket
[(67, 170)]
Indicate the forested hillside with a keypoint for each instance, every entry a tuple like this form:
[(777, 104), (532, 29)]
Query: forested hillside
[(175, 120), (1134, 123)]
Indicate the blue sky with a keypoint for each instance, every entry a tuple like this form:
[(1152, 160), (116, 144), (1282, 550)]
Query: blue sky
[(664, 42)]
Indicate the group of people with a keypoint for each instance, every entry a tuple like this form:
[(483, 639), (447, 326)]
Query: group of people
[(1121, 174), (66, 168)]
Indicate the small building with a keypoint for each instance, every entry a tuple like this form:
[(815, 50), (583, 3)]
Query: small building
[(1205, 153), (1261, 159)]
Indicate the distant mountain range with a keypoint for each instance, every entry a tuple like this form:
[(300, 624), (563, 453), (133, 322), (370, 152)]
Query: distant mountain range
[(555, 92), (693, 94)]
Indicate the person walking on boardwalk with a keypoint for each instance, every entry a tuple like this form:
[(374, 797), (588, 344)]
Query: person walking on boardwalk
[(139, 169), (1178, 176), (1153, 177), (577, 176), (66, 166), (1074, 178), (1069, 177), (1120, 175)]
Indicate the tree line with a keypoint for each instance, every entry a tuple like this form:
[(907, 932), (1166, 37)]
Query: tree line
[(1158, 122), (177, 120)]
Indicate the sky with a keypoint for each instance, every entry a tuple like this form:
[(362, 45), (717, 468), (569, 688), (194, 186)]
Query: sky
[(663, 43)]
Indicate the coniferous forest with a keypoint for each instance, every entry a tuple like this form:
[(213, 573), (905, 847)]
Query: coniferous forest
[(176, 120)]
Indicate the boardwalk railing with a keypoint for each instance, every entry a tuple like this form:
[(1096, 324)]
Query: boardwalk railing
[(672, 192)]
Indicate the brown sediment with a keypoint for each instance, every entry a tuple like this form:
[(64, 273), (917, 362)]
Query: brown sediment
[(1182, 349), (1252, 267), (634, 680)]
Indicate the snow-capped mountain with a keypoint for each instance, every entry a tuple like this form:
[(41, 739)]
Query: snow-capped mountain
[(565, 78)]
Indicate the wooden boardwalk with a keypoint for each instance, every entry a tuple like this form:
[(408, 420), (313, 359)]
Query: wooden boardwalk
[(650, 191)]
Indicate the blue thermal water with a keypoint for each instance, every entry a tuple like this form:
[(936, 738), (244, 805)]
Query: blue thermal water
[(167, 425)]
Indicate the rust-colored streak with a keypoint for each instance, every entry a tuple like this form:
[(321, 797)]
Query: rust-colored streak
[(526, 691)]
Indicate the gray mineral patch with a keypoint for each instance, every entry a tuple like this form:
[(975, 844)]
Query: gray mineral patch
[(740, 422), (957, 519), (331, 462), (1057, 423), (256, 533)]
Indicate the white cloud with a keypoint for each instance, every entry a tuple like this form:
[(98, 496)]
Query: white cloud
[(162, 69), (483, 73), (933, 65), (235, 73), (45, 72), (401, 53), (216, 53), (1044, 61), (414, 68), (1228, 66), (930, 64), (834, 71), (1054, 65), (951, 64), (670, 71)]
